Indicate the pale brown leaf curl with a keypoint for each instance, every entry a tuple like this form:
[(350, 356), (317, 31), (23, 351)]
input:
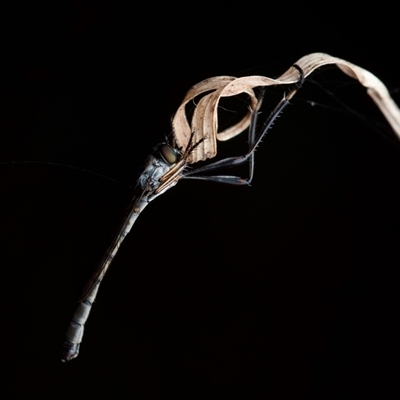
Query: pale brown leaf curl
[(204, 122)]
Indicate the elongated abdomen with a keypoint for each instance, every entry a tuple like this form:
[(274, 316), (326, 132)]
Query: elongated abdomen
[(74, 335)]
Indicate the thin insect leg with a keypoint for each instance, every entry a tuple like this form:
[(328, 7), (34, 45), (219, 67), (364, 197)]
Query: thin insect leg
[(238, 160), (234, 180), (228, 179), (234, 161), (252, 132)]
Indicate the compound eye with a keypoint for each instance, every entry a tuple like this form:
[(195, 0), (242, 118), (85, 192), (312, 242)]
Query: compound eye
[(169, 154)]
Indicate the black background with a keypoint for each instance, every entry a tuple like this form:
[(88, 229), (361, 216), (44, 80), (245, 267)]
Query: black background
[(281, 290)]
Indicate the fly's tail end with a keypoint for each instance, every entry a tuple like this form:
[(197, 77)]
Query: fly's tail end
[(69, 351)]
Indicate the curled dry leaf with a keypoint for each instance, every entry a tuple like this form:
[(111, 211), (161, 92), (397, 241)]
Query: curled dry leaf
[(204, 122)]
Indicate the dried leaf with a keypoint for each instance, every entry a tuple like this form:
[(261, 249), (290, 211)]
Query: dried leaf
[(204, 122)]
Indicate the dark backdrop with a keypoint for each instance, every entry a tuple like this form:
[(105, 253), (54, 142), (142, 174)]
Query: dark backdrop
[(281, 290)]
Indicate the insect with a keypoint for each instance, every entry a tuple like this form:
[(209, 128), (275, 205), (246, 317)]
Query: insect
[(162, 170), (194, 142)]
